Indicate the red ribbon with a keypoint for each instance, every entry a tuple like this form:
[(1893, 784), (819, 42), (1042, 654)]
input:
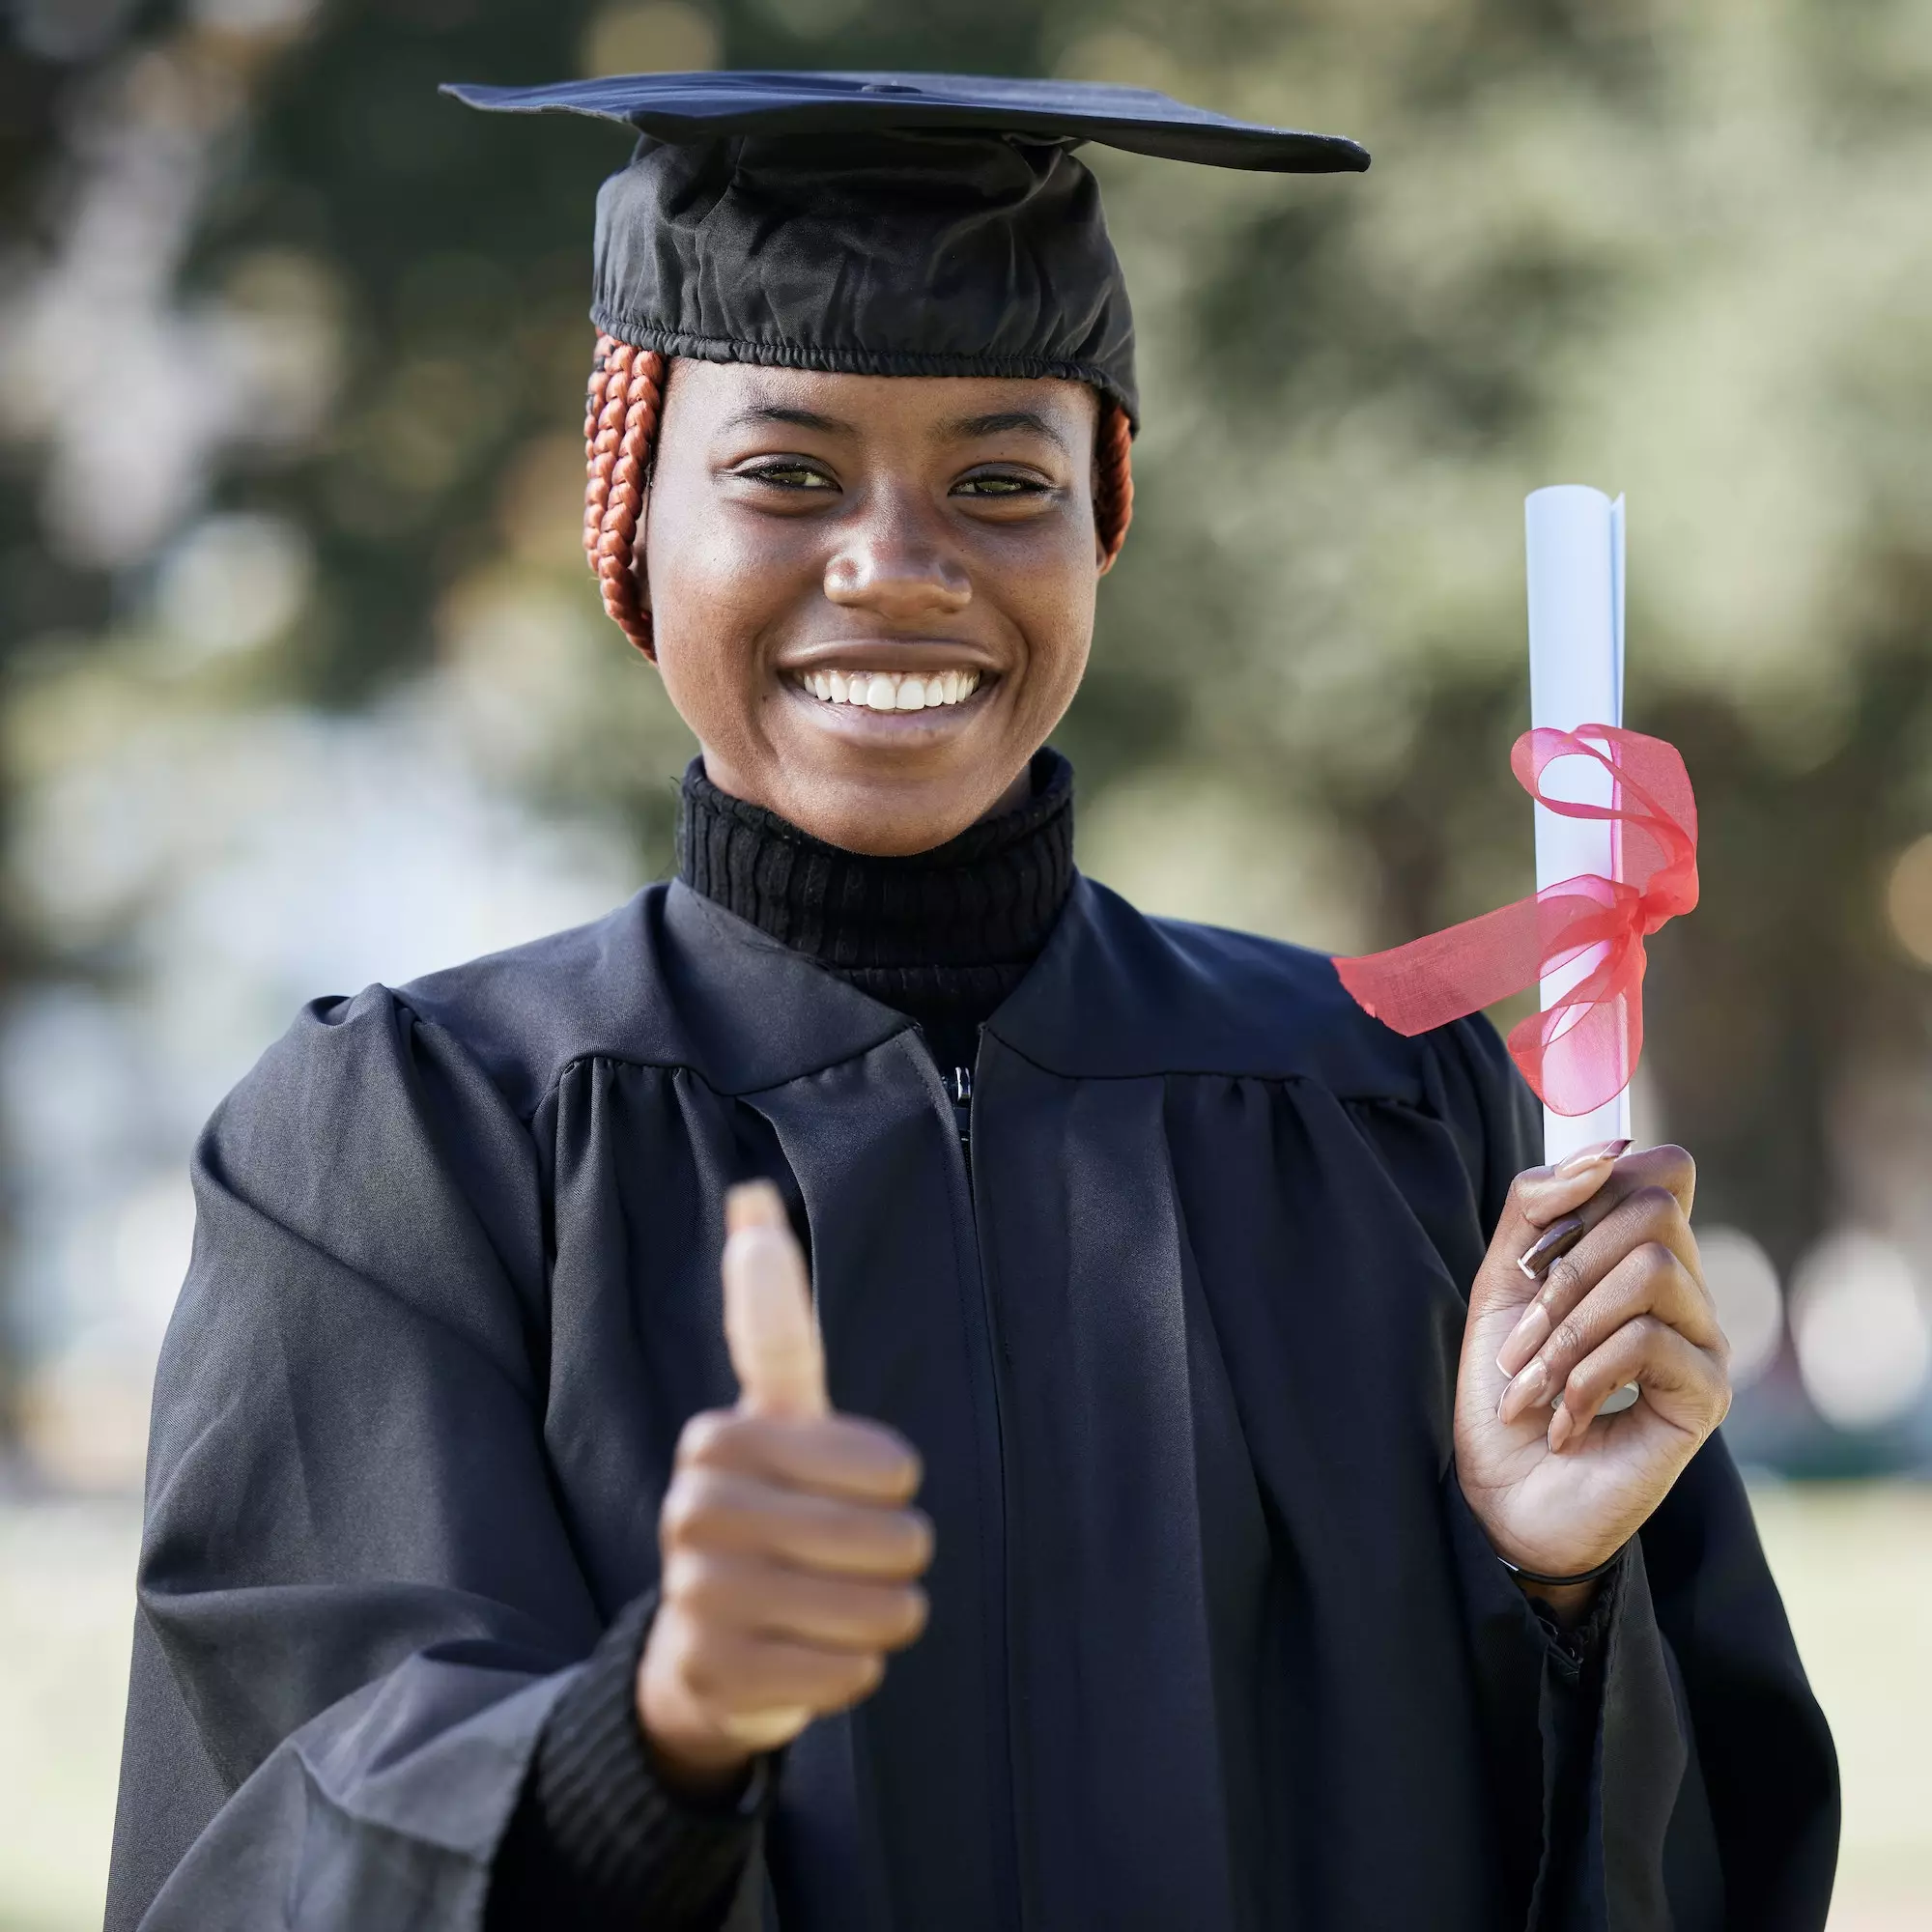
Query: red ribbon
[(1583, 1049)]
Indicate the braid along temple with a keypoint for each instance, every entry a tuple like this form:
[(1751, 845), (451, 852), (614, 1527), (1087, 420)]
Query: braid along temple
[(620, 422)]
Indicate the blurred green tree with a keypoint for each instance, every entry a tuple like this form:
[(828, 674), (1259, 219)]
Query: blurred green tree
[(1678, 251)]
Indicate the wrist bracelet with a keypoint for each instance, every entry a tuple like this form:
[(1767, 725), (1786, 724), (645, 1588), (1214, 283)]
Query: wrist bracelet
[(1523, 1576)]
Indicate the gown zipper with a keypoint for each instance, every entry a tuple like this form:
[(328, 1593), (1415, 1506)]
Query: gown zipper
[(958, 1086)]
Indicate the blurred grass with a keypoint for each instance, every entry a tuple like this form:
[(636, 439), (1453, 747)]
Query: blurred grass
[(1854, 1562), (65, 1613)]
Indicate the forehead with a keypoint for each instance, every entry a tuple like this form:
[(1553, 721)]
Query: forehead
[(939, 407)]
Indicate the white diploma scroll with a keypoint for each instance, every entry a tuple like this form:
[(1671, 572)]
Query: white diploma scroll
[(1575, 537)]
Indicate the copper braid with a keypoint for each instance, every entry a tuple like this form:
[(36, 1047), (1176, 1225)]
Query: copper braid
[(1113, 480), (620, 420)]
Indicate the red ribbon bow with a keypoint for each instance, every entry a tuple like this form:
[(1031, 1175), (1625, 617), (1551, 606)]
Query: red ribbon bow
[(1583, 1049)]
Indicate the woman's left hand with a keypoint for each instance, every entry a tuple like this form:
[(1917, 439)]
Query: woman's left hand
[(1621, 1300)]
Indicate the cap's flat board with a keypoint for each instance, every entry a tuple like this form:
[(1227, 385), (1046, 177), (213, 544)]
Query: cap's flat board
[(685, 107)]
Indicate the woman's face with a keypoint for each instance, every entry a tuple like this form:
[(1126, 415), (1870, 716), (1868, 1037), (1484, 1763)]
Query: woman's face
[(872, 597)]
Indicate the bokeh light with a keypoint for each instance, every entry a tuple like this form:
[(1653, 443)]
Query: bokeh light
[(1860, 1330), (1744, 1284), (1907, 900), (233, 583), (662, 37), (253, 17)]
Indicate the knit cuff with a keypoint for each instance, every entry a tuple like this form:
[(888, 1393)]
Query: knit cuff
[(1578, 1645), (597, 1840)]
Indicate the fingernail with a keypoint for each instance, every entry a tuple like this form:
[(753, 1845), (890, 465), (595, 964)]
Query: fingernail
[(1559, 1430), (1558, 1239), (753, 1204), (1522, 1393), (1583, 1157), (1524, 1339)]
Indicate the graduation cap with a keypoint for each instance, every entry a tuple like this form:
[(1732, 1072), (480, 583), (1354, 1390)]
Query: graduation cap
[(893, 224)]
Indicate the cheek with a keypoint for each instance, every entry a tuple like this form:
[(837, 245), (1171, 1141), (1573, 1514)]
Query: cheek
[(1052, 603), (705, 556), (719, 588)]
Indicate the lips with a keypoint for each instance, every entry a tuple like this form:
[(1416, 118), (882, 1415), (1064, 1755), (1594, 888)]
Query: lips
[(891, 690)]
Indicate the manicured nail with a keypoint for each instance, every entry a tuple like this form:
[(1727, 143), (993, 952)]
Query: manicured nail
[(1558, 1239), (1524, 1339), (1522, 1393), (1559, 1430), (1585, 1157)]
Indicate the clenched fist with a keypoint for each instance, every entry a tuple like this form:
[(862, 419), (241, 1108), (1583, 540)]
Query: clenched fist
[(791, 1551)]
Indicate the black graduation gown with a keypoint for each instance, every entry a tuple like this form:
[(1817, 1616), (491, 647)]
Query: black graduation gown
[(1214, 1639)]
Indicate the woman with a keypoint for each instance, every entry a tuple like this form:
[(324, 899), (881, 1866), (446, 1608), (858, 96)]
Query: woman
[(1253, 1579)]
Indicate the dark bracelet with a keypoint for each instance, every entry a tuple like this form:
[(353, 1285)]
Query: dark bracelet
[(1523, 1576)]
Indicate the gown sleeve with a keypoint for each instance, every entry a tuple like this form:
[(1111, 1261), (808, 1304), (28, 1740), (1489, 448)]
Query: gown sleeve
[(1671, 1768), (363, 1644)]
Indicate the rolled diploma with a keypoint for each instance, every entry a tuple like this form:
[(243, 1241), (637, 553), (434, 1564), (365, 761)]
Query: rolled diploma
[(1576, 539)]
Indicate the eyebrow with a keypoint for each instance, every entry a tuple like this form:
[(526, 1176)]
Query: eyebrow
[(998, 421), (963, 429), (773, 413)]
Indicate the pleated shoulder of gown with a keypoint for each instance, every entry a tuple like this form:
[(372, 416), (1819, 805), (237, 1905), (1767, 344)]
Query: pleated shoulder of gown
[(1119, 995)]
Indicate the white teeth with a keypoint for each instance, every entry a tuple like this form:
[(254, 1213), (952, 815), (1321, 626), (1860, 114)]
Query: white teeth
[(891, 690)]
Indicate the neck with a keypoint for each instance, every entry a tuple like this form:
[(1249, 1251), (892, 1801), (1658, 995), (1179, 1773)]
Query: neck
[(942, 935)]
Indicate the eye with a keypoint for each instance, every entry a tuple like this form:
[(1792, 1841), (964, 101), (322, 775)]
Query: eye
[(998, 483), (789, 473)]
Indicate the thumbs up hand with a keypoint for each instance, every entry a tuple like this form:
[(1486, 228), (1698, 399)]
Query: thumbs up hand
[(792, 1553)]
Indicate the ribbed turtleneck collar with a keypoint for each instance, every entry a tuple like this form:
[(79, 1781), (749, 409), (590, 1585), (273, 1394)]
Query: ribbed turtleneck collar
[(942, 935)]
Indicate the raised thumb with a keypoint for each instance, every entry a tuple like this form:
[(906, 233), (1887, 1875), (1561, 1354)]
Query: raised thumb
[(769, 1325)]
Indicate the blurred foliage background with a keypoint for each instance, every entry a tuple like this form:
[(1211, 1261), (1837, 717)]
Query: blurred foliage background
[(302, 681)]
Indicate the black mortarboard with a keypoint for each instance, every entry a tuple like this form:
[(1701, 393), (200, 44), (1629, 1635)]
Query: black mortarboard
[(893, 225)]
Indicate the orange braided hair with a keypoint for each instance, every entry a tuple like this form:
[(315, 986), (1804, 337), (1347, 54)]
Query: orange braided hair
[(1113, 480), (621, 423)]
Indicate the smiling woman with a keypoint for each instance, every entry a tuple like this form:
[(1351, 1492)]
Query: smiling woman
[(908, 588), (1184, 1391), (871, 597)]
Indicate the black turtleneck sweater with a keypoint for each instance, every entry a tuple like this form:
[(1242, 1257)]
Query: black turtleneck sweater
[(943, 936)]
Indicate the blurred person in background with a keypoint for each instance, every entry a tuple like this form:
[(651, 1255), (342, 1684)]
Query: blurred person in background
[(1246, 1368)]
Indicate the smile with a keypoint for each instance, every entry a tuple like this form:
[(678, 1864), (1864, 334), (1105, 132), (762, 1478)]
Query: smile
[(891, 690)]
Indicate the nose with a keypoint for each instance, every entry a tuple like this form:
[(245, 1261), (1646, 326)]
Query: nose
[(899, 573)]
